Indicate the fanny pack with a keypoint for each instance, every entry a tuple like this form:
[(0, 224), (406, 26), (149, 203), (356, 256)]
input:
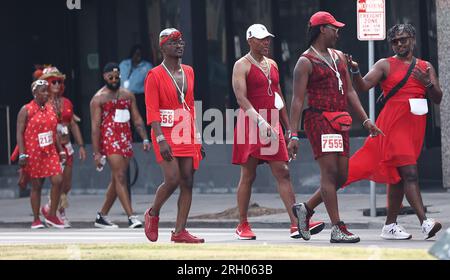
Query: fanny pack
[(340, 121)]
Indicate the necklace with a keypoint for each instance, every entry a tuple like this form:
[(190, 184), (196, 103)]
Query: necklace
[(335, 69), (265, 72), (181, 91)]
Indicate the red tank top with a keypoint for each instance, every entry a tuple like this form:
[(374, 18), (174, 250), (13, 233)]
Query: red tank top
[(323, 87)]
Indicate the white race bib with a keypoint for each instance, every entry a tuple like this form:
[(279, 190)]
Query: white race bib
[(122, 116), (167, 117), (279, 104), (418, 106), (332, 143), (69, 148), (45, 139), (62, 129)]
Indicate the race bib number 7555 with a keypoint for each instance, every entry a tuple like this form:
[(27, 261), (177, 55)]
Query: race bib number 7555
[(332, 143)]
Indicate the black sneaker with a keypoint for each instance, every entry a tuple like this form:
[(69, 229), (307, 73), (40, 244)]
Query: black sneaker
[(102, 221), (133, 222)]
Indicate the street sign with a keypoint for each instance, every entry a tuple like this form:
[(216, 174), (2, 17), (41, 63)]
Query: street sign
[(371, 20)]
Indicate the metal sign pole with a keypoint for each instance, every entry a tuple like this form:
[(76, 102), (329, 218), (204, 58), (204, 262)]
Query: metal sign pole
[(373, 197), (8, 131)]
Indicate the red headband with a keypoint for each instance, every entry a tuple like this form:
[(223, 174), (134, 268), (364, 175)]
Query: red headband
[(174, 35)]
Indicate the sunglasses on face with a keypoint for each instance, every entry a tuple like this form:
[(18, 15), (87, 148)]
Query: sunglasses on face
[(112, 78), (333, 28), (402, 40), (54, 82)]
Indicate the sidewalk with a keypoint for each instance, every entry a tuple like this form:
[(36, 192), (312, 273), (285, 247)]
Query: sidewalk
[(16, 213)]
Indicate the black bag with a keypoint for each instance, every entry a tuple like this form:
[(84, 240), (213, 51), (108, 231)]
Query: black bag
[(381, 101)]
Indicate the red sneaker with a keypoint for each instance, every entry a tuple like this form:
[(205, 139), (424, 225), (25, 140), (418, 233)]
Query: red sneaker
[(314, 228), (244, 232), (185, 237), (45, 209), (54, 221), (151, 226), (37, 225)]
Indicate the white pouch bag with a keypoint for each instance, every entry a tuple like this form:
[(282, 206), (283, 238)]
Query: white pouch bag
[(122, 116), (279, 104), (418, 106)]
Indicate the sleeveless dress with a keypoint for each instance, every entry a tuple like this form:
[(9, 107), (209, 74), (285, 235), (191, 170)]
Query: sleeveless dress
[(379, 157), (324, 95), (40, 142), (65, 119), (161, 96), (115, 136), (246, 133)]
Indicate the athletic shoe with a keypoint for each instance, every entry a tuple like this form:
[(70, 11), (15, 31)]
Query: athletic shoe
[(185, 237), (302, 215), (133, 222), (151, 226), (63, 217), (54, 221), (314, 228), (340, 234), (45, 210), (244, 232), (102, 221), (37, 225), (394, 232), (430, 227)]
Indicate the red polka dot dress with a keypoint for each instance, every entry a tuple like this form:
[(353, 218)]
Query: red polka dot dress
[(40, 141)]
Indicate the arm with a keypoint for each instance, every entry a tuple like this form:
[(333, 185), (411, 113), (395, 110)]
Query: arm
[(429, 79), (75, 129), (283, 112), (302, 70), (138, 122), (95, 128), (22, 120), (372, 78)]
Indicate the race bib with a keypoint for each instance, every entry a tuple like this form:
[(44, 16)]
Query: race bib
[(279, 104), (332, 143), (122, 116), (418, 106), (45, 139), (167, 117), (69, 148), (62, 129)]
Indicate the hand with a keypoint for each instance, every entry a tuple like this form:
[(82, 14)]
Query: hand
[(97, 160), (202, 151), (287, 136), (82, 153), (266, 131), (62, 157), (351, 63), (373, 129), (165, 151), (22, 162), (147, 145), (293, 149), (422, 76)]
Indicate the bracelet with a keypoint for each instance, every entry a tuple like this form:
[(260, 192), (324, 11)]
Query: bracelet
[(260, 121), (364, 122), (62, 153), (430, 85), (160, 138), (295, 138), (21, 156), (354, 73)]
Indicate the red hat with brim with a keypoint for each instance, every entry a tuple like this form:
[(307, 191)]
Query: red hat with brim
[(321, 18)]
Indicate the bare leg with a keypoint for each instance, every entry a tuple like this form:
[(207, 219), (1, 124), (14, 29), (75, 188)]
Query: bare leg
[(185, 198), (329, 173), (395, 198), (119, 165), (55, 193), (411, 187), (110, 197), (280, 171), (35, 196), (244, 191), (171, 172)]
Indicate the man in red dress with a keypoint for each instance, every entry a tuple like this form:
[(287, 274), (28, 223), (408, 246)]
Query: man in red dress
[(169, 98), (112, 108), (393, 159), (258, 93), (321, 74)]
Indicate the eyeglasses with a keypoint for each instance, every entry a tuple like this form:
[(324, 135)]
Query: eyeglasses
[(111, 78), (402, 40), (333, 28), (54, 82), (180, 43)]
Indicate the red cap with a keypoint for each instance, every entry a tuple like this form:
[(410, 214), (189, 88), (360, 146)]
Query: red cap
[(321, 18)]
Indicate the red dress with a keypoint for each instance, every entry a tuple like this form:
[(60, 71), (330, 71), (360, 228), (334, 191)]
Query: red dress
[(324, 95), (40, 142), (65, 119), (115, 135), (246, 133), (177, 123), (379, 157)]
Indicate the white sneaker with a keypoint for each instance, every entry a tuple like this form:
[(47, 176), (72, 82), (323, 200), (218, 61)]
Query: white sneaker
[(63, 217), (394, 232), (133, 222), (430, 227)]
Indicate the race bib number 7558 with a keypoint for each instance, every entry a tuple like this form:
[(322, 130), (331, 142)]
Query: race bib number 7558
[(332, 143)]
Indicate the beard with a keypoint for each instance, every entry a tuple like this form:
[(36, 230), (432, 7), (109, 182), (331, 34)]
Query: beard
[(114, 86)]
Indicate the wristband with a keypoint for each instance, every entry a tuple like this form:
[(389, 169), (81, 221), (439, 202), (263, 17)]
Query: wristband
[(430, 85), (261, 121), (21, 156), (364, 122), (160, 138), (146, 141), (62, 153), (295, 138), (354, 73)]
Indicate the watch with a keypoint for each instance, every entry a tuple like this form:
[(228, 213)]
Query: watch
[(160, 138)]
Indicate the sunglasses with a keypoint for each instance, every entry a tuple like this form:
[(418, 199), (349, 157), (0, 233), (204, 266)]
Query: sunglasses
[(402, 40), (333, 28), (112, 78), (54, 82)]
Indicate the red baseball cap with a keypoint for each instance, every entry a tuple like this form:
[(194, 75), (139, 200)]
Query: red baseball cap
[(321, 18)]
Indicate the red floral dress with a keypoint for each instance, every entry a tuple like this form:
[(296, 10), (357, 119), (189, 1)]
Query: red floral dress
[(115, 129), (40, 142)]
